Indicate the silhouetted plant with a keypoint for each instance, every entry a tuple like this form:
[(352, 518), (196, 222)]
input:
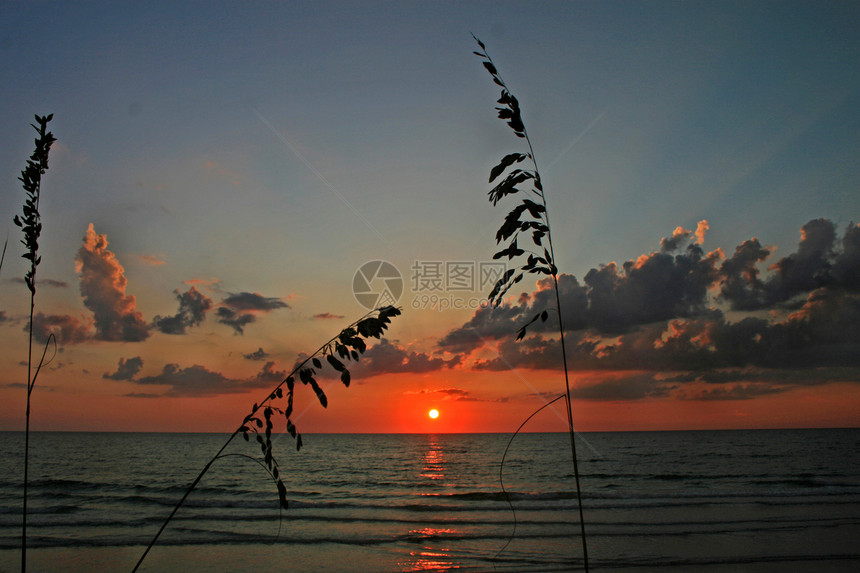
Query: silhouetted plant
[(346, 347), (31, 224), (3, 256), (529, 218)]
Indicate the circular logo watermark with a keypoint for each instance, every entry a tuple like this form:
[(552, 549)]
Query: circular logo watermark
[(376, 284)]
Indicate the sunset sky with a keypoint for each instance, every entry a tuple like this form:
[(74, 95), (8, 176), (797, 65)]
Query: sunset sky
[(223, 171)]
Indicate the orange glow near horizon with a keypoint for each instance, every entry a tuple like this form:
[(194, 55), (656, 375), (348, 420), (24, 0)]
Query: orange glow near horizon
[(401, 406)]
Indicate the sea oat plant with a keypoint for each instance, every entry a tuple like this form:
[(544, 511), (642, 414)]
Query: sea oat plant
[(31, 224), (347, 346), (528, 221)]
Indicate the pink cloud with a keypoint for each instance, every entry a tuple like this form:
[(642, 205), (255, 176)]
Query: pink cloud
[(103, 285)]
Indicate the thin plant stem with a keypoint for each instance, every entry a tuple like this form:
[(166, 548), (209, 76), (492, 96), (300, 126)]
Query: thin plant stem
[(567, 401), (512, 113), (31, 178), (387, 311), (502, 466), (183, 498)]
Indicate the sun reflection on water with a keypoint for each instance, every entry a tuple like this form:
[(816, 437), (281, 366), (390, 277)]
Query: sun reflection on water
[(430, 558), (433, 551), (434, 462)]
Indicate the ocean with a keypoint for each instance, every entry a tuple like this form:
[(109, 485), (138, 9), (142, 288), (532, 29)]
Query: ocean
[(712, 501)]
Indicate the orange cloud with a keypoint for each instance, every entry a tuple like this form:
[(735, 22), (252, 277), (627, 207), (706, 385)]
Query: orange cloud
[(103, 285), (701, 229), (202, 282)]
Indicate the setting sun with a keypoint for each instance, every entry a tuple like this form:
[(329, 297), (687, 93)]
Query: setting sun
[(433, 413)]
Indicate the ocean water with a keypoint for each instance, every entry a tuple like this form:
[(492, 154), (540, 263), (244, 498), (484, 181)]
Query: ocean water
[(772, 500)]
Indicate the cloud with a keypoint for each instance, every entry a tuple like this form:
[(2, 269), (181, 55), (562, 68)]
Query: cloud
[(198, 380), (628, 386), (386, 357), (680, 236), (67, 329), (268, 375), (240, 309), (195, 380), (533, 353), (657, 287), (328, 316), (103, 284), (202, 282), (235, 320), (670, 283), (253, 302), (654, 328), (453, 394), (44, 282), (258, 354), (126, 370), (741, 285), (702, 228), (732, 392), (824, 332), (817, 263), (193, 306)]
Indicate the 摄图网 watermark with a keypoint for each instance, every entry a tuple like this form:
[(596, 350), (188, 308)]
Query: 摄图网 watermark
[(434, 284)]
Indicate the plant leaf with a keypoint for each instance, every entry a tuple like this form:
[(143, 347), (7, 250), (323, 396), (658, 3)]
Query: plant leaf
[(282, 494), (506, 162)]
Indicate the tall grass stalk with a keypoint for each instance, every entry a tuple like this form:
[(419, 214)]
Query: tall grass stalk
[(348, 345), (31, 224), (531, 219)]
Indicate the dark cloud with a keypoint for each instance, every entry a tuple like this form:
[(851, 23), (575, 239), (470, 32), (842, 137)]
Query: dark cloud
[(386, 357), (268, 375), (198, 380), (824, 332), (631, 386), (235, 320), (655, 325), (240, 309), (103, 285), (486, 324), (656, 287), (667, 284), (126, 370), (454, 394), (809, 267), (193, 306), (195, 380), (817, 263), (845, 269), (44, 282), (741, 284), (258, 354), (253, 302), (733, 392), (328, 316), (67, 329), (533, 353)]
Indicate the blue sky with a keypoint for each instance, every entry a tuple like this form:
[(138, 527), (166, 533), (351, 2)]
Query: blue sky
[(272, 148)]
